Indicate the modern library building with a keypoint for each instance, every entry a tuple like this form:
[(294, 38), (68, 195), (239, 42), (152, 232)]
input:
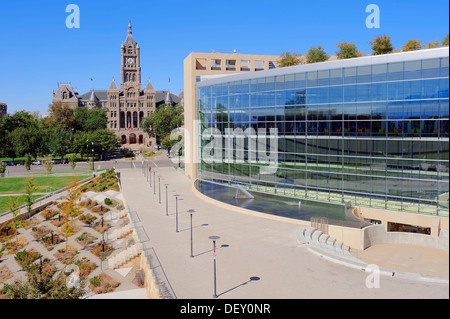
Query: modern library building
[(370, 131)]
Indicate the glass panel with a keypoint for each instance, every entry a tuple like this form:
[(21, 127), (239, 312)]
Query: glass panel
[(270, 83), (413, 89), (430, 109), (378, 92), (280, 82), (363, 92), (336, 77), (312, 79), (364, 74), (443, 88), (289, 81), (395, 110), (413, 69), (350, 75), (395, 91), (444, 67), (431, 68), (430, 89), (350, 93), (395, 71), (323, 78), (300, 80), (379, 72)]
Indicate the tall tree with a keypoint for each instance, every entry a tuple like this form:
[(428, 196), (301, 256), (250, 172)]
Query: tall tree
[(26, 140), (381, 45), (89, 120), (445, 41), (165, 119), (60, 142), (289, 59), (412, 45), (347, 50), (62, 116), (316, 54)]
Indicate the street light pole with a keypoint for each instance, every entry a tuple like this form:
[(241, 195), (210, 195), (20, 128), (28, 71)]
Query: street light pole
[(192, 245), (167, 202), (176, 213), (159, 188), (214, 238)]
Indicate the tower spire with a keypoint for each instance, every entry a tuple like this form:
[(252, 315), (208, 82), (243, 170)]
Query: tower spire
[(130, 31)]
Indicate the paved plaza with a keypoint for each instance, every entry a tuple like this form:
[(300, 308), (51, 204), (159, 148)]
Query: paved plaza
[(257, 257)]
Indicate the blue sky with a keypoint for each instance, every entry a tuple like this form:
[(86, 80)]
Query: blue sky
[(37, 50)]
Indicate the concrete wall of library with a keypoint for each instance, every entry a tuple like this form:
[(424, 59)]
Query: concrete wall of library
[(435, 223)]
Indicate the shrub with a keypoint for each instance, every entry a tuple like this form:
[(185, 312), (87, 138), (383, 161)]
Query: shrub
[(96, 281), (108, 201)]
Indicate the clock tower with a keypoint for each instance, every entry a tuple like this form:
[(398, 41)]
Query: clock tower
[(130, 71)]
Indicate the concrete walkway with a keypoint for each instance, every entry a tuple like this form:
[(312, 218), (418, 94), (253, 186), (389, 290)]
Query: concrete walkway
[(256, 257)]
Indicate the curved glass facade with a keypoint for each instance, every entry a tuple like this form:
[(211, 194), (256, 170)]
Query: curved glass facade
[(372, 131)]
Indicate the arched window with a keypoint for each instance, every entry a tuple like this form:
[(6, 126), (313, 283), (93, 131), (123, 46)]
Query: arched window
[(128, 119), (122, 119), (135, 119), (124, 139), (132, 138)]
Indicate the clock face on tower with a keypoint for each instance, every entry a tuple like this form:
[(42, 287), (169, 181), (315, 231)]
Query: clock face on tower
[(130, 60)]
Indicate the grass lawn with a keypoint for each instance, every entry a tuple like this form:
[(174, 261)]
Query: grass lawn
[(16, 185), (4, 202)]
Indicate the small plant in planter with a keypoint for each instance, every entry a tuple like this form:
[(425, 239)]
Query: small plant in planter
[(39, 232), (66, 255), (49, 213), (102, 250), (26, 258), (51, 240), (87, 218), (86, 239)]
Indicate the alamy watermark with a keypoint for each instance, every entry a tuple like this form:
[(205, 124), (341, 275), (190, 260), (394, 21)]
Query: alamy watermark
[(234, 146), (73, 19), (373, 19)]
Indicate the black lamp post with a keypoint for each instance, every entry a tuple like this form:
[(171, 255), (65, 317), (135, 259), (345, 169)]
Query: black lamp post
[(214, 238), (176, 212), (191, 211), (159, 188), (167, 201)]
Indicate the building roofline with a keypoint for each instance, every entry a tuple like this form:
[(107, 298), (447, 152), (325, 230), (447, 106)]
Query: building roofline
[(335, 64)]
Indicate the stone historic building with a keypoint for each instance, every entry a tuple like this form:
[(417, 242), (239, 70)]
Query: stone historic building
[(126, 103)]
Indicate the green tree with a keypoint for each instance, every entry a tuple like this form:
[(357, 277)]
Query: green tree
[(61, 116), (89, 120), (103, 140), (165, 119), (28, 159), (13, 206), (289, 59), (26, 140), (316, 54), (41, 283), (347, 50), (30, 189), (412, 45), (433, 44), (60, 142), (73, 161), (381, 45), (445, 41), (48, 165)]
